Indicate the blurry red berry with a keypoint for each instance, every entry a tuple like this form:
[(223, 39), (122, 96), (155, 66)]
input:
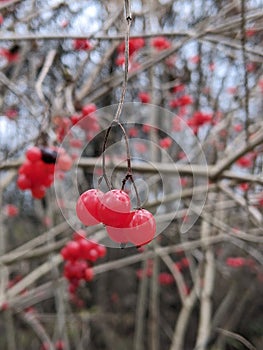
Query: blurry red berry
[(160, 43), (165, 278), (33, 154), (11, 210), (144, 97), (89, 274), (81, 44)]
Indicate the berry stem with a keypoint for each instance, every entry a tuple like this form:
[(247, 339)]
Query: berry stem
[(126, 65), (116, 119)]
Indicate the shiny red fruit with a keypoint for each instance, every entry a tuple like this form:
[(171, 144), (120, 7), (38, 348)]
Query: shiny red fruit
[(114, 209), (142, 227), (87, 207), (117, 234)]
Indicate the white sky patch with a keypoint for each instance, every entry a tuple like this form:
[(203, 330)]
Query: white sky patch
[(7, 133)]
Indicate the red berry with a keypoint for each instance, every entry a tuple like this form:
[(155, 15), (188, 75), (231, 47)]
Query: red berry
[(38, 174), (4, 306), (166, 278), (45, 346), (82, 44), (73, 250), (65, 253), (23, 182), (48, 180), (92, 255), (85, 246), (76, 143), (72, 288), (75, 118), (60, 345), (117, 234), (114, 209), (33, 154), (64, 162), (101, 250), (144, 97), (26, 168), (165, 142), (87, 207), (79, 235), (235, 261), (140, 231), (89, 274), (160, 43), (88, 109), (142, 227), (11, 210), (38, 192), (74, 270)]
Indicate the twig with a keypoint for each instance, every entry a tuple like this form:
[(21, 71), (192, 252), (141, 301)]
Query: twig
[(178, 277), (183, 318), (40, 331), (244, 59), (141, 308), (156, 167), (236, 336), (204, 327), (44, 71), (225, 163)]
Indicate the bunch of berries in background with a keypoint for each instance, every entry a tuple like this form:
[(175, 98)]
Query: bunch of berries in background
[(37, 171), (87, 120), (79, 255), (113, 209)]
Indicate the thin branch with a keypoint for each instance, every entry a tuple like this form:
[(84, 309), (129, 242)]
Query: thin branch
[(156, 167), (43, 73), (238, 337)]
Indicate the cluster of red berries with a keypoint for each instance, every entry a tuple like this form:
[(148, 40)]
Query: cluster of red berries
[(113, 209), (59, 345), (37, 171), (240, 261), (87, 120), (164, 278), (135, 44), (160, 43), (183, 100), (82, 45), (80, 254), (199, 119)]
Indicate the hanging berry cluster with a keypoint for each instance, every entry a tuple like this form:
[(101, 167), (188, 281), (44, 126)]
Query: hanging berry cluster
[(79, 255), (37, 171), (113, 209)]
